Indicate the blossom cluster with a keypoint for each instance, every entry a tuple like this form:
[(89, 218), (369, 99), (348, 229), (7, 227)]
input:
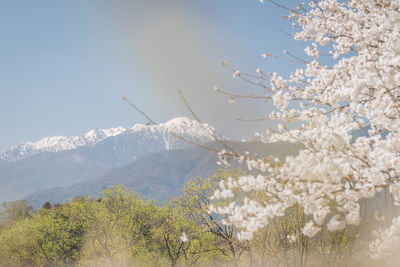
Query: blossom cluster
[(349, 112)]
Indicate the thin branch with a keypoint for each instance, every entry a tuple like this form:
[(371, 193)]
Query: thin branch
[(285, 32), (282, 6), (202, 125), (241, 96), (169, 132), (138, 110), (297, 58), (294, 60), (252, 120)]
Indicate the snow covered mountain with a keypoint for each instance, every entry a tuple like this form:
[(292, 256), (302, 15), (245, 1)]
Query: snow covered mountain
[(144, 158), (157, 135), (59, 143), (141, 140), (63, 160)]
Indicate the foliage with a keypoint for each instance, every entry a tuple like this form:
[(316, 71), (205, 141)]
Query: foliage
[(117, 229), (47, 238), (195, 203), (182, 241), (14, 211), (117, 221)]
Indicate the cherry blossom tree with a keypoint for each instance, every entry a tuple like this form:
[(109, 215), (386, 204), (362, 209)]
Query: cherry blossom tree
[(357, 92)]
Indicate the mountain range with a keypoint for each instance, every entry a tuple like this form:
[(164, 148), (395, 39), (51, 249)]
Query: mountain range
[(121, 144), (144, 158)]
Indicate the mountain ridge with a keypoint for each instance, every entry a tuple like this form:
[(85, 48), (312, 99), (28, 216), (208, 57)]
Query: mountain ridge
[(96, 161), (190, 129), (49, 164)]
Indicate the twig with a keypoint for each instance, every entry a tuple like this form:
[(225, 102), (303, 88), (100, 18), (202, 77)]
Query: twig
[(169, 132), (252, 120), (209, 132), (260, 96)]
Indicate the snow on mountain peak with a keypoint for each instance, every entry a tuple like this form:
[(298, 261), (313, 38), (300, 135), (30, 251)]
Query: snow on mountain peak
[(100, 134), (179, 121), (59, 143), (182, 126)]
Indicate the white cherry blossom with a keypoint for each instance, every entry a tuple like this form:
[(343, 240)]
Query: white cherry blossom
[(358, 92)]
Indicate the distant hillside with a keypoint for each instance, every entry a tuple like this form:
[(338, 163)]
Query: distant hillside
[(159, 176), (45, 170)]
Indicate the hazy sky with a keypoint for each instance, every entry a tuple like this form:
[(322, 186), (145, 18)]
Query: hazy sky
[(65, 64)]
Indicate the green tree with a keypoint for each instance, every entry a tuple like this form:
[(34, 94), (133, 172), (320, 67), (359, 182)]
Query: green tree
[(118, 223), (181, 240), (48, 238), (14, 211), (195, 202)]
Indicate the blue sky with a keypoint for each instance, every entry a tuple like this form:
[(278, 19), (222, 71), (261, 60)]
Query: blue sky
[(65, 64)]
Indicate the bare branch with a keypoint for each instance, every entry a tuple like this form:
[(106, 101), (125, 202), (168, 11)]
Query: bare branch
[(210, 133), (169, 132)]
